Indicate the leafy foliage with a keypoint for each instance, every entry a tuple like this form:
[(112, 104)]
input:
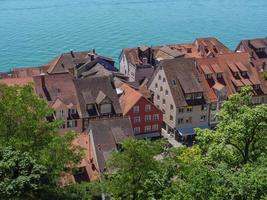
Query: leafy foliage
[(24, 127), (20, 176), (136, 172)]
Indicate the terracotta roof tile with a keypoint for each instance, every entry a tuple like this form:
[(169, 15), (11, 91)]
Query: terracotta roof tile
[(128, 98), (17, 81)]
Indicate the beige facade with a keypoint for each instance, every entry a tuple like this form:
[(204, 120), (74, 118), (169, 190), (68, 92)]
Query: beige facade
[(176, 117)]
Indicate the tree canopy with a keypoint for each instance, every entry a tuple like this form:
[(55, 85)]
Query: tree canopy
[(25, 130)]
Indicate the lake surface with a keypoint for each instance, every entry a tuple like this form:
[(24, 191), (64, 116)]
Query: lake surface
[(32, 32)]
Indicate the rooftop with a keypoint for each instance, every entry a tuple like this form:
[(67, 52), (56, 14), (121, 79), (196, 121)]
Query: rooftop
[(90, 89), (183, 78), (106, 135)]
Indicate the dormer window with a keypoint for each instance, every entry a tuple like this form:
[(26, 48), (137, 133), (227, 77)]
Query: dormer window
[(208, 76), (174, 82), (72, 111), (145, 60), (105, 108), (198, 96), (256, 87), (91, 109), (244, 73), (188, 96), (219, 75), (61, 114)]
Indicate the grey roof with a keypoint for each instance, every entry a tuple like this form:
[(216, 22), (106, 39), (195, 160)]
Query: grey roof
[(94, 71), (172, 52), (88, 89), (106, 134), (183, 78)]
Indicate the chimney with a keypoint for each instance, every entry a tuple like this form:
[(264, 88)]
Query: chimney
[(93, 51), (42, 75), (72, 54), (92, 56)]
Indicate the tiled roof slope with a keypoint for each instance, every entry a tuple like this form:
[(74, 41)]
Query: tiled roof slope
[(229, 64), (183, 78), (56, 86), (17, 81), (251, 46), (88, 90), (106, 135), (128, 98)]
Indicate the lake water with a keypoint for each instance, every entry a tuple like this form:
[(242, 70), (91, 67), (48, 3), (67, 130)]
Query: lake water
[(32, 32)]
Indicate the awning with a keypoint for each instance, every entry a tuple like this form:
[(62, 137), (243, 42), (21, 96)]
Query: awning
[(190, 131)]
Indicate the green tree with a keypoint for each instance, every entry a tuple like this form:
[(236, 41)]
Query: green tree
[(20, 176), (241, 135), (24, 127), (136, 172)]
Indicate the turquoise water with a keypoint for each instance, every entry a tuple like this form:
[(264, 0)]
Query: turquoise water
[(32, 32)]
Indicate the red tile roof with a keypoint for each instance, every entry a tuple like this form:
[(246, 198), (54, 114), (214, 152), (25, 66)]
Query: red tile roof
[(229, 63), (17, 81), (128, 98)]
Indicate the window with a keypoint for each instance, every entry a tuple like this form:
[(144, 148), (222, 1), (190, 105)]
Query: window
[(256, 87), (155, 127), (204, 107), (158, 97), (197, 96), (171, 117), (203, 118), (147, 128), (61, 114), (188, 96), (136, 109), (137, 119), (164, 80), (188, 120), (166, 92), (181, 110), (163, 111), (235, 74), (180, 121), (163, 101), (156, 85), (171, 107), (105, 108), (136, 130), (147, 107), (189, 109), (71, 123), (213, 106), (174, 82), (161, 88), (156, 117), (244, 73), (208, 76), (147, 118), (219, 75), (159, 77), (72, 111)]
